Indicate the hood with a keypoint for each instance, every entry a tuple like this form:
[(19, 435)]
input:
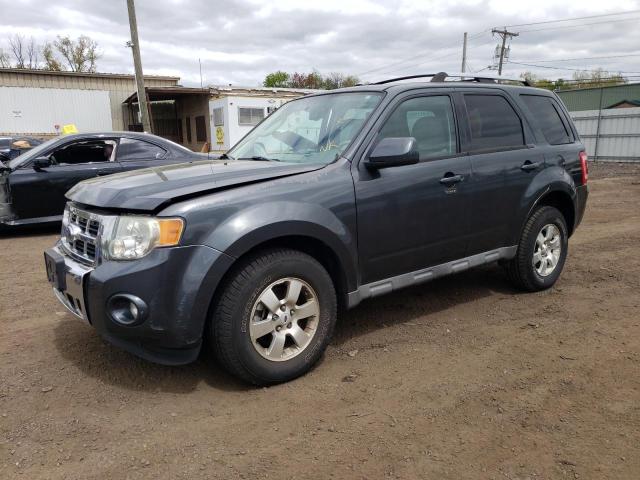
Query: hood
[(152, 188)]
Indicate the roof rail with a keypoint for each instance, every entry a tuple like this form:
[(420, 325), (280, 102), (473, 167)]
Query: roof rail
[(464, 77)]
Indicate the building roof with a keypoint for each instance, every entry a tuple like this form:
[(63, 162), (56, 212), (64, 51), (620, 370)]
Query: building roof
[(28, 71), (173, 92), (621, 102)]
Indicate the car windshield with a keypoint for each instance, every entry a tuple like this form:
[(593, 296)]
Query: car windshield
[(310, 130), (35, 152)]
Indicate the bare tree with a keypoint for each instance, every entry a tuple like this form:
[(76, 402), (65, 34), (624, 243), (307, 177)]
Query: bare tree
[(5, 62), (16, 43), (33, 54), (81, 55)]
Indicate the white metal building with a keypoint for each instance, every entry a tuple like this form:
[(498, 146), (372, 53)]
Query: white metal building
[(33, 102)]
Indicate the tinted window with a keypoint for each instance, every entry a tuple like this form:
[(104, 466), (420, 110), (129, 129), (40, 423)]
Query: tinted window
[(130, 149), (494, 123), (83, 152), (548, 118), (429, 120)]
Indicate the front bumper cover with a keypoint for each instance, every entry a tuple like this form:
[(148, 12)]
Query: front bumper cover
[(176, 283)]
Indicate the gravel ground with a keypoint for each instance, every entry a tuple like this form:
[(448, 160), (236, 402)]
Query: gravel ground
[(462, 378)]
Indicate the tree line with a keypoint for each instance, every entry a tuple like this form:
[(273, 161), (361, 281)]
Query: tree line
[(313, 80), (63, 53), (581, 79)]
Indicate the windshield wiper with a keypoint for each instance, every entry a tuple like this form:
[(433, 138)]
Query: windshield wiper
[(260, 158)]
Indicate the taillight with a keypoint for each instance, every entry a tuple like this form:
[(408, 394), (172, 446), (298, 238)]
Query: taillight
[(584, 167)]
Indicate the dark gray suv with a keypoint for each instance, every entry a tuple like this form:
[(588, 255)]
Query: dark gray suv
[(332, 199)]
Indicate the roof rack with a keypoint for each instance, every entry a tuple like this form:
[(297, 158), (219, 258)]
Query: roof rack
[(464, 77)]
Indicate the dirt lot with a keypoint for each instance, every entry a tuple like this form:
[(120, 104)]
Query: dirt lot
[(463, 378)]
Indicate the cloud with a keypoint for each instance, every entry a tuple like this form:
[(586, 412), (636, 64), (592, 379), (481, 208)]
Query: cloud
[(239, 41)]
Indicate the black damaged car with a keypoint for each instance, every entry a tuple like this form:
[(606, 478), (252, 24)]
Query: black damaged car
[(33, 185)]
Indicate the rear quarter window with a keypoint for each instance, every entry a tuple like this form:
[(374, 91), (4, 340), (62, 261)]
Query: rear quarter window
[(547, 116)]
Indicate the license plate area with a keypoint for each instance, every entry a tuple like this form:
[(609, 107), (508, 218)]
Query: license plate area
[(56, 271)]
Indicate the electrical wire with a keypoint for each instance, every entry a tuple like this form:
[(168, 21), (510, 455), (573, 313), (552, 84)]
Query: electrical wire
[(550, 67), (573, 19)]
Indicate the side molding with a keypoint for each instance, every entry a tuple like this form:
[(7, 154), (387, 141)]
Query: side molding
[(388, 285)]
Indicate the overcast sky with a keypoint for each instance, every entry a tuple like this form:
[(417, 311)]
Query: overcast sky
[(239, 41)]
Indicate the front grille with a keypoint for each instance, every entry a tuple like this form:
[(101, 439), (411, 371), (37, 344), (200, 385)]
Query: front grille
[(80, 232)]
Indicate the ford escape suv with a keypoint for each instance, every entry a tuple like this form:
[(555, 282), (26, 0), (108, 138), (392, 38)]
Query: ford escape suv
[(334, 198)]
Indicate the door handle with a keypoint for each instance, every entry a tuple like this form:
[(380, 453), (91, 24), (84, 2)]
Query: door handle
[(529, 166), (451, 179)]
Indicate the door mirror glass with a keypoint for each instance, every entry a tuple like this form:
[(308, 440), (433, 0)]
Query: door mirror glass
[(41, 162), (393, 152)]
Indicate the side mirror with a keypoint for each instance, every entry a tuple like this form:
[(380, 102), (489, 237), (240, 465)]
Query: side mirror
[(40, 163), (394, 152)]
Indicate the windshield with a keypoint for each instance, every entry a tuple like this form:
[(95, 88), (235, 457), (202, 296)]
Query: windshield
[(310, 130), (31, 154)]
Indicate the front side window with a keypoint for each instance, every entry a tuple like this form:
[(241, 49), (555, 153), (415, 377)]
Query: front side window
[(92, 151), (131, 149), (429, 120), (313, 129), (548, 119), (250, 116), (494, 123)]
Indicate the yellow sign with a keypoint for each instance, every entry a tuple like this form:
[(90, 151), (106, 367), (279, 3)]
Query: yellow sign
[(68, 129), (219, 135)]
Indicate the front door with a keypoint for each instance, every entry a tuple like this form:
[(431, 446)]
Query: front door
[(41, 193), (414, 216)]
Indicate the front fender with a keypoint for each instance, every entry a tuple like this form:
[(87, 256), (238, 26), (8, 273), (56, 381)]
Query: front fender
[(261, 223)]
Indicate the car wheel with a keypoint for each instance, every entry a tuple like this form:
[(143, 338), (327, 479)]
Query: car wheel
[(274, 317), (542, 251)]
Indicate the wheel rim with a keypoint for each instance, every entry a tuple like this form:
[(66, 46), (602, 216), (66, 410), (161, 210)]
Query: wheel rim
[(546, 253), (284, 319)]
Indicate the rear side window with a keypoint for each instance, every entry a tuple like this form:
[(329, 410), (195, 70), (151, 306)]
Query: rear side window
[(494, 123), (130, 149), (548, 119)]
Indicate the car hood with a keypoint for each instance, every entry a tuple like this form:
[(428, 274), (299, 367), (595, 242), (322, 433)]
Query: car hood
[(150, 189)]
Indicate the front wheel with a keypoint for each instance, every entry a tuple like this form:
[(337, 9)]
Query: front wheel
[(274, 317), (542, 251)]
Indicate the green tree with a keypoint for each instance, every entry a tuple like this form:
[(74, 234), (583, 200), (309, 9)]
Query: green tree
[(278, 79)]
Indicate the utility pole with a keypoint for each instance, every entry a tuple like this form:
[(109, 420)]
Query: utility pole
[(464, 53), (137, 63), (503, 34)]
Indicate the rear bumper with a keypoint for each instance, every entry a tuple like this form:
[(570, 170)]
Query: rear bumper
[(176, 284), (582, 193)]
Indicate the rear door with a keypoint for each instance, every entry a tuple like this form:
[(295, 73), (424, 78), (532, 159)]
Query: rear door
[(37, 194), (408, 217), (504, 159)]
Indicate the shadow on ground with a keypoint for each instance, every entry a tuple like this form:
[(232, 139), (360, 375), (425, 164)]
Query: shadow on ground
[(81, 345)]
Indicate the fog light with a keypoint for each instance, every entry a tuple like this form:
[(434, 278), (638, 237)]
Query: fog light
[(127, 310)]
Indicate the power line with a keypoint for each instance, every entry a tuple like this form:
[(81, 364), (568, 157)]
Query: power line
[(550, 67), (564, 27), (581, 58), (573, 19)]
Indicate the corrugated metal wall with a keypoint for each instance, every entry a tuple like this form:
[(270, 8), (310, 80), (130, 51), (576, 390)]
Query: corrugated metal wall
[(589, 98), (617, 138), (118, 86), (36, 111)]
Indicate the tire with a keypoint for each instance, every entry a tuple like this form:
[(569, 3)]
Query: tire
[(245, 308), (523, 270)]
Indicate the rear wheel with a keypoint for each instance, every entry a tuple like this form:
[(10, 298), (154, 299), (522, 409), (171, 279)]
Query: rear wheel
[(542, 251), (274, 317)]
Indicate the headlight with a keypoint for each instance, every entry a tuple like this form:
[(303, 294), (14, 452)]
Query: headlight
[(134, 237)]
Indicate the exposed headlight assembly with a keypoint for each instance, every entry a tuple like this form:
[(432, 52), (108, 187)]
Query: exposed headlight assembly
[(133, 237)]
